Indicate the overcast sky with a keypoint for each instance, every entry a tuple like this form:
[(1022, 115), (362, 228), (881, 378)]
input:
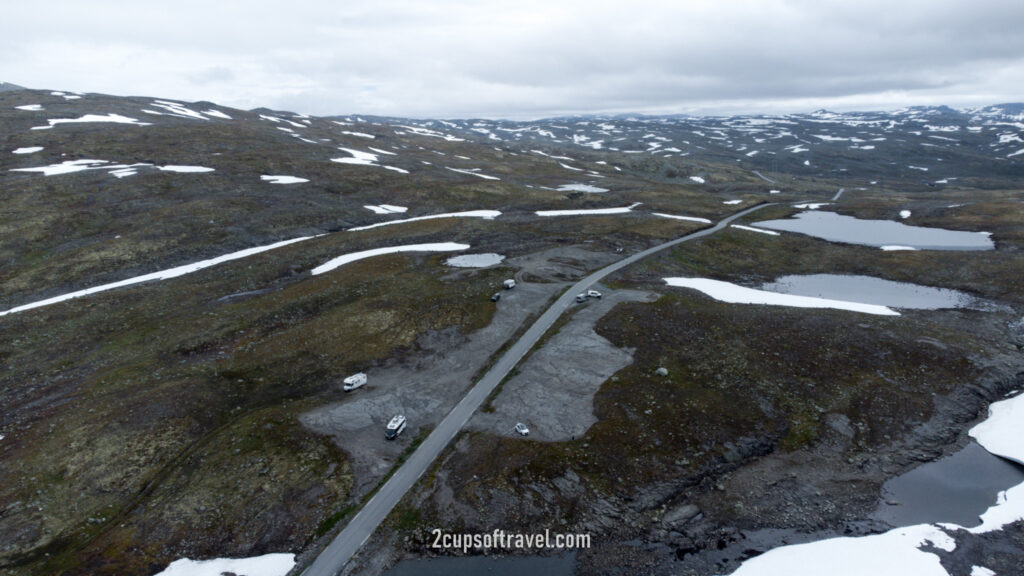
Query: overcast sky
[(525, 58)]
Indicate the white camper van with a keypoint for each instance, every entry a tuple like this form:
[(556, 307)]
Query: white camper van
[(395, 427), (354, 381)]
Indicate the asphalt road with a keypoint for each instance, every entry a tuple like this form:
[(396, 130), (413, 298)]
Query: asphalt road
[(334, 557)]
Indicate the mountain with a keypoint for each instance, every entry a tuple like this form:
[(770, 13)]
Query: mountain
[(184, 287), (6, 86)]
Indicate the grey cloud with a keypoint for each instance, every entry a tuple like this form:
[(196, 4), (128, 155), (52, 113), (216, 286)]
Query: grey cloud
[(528, 58)]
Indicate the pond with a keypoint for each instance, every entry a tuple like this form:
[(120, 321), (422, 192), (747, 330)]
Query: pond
[(955, 489), (838, 228), (870, 290), (474, 260)]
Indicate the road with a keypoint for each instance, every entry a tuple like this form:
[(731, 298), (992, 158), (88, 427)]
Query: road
[(337, 554), (763, 177)]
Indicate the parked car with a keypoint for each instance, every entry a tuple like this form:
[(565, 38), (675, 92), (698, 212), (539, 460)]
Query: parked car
[(354, 381), (581, 297), (522, 429), (509, 284), (496, 297), (395, 427), (593, 294)]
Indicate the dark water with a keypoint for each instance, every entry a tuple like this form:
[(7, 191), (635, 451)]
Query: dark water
[(490, 565), (838, 228), (958, 488)]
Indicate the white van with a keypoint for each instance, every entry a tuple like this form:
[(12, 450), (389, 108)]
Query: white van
[(395, 427), (354, 381)]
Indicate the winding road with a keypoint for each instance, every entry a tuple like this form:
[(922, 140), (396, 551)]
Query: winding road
[(336, 555)]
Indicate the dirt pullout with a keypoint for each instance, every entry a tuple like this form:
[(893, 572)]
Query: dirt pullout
[(553, 391), (423, 387)]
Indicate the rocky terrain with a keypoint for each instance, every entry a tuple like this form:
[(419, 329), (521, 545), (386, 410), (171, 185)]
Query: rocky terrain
[(199, 413)]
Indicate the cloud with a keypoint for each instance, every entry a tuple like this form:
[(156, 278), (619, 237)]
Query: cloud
[(526, 58)]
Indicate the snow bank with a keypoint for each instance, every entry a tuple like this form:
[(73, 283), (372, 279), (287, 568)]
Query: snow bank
[(1002, 431), (161, 275), (586, 212), (197, 169), (485, 214), (750, 229), (267, 565), (386, 209), (114, 118), (347, 258), (364, 159), (735, 294), (66, 167), (893, 553), (690, 218), (473, 172), (283, 179), (581, 188)]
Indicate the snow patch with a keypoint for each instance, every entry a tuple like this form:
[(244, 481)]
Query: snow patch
[(283, 179), (114, 118), (581, 188), (474, 172), (267, 565), (897, 248), (347, 258), (586, 212), (386, 209), (732, 202), (364, 159), (28, 150), (904, 214), (893, 553), (690, 218), (161, 275), (736, 294), (185, 169), (1001, 432), (761, 230), (697, 179), (485, 214), (66, 167), (30, 107)]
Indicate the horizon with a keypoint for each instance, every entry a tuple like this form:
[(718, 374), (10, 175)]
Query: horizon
[(498, 118)]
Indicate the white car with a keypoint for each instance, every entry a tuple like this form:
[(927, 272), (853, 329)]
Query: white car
[(354, 381), (581, 297), (509, 284), (522, 429), (593, 294)]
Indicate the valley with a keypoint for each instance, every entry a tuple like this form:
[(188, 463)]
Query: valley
[(184, 286)]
